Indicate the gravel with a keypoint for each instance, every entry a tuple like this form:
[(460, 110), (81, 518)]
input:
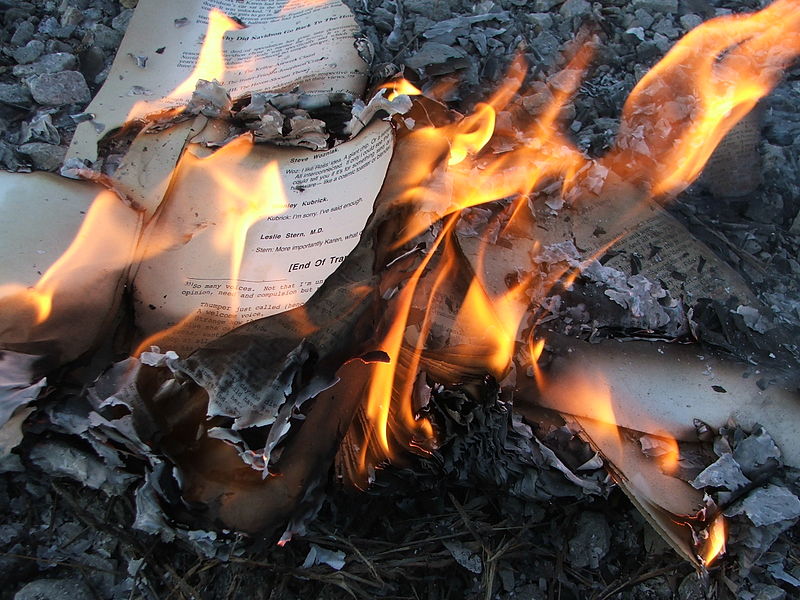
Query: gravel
[(56, 54)]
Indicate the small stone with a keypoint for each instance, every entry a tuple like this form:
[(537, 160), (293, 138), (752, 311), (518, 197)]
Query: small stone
[(591, 541), (15, 93), (44, 157), (640, 18), (546, 46), (23, 34), (690, 21), (545, 5), (645, 52), (541, 21), (106, 38), (768, 592), (51, 27), (539, 99), (660, 6), (634, 33), (657, 588), (57, 89), (575, 8), (54, 46), (128, 3), (81, 5), (666, 27), (49, 63), (691, 588), (54, 589), (93, 61), (662, 43), (29, 52), (120, 22)]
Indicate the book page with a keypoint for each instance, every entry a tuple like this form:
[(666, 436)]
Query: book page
[(67, 247), (300, 214), (284, 44)]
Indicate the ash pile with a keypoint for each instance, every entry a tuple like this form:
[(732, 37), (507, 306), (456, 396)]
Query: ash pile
[(511, 501)]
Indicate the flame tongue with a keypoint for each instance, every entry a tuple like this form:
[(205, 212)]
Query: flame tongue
[(671, 124), (715, 544), (678, 113)]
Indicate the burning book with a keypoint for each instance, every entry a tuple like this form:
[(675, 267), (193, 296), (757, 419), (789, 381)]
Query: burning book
[(315, 295)]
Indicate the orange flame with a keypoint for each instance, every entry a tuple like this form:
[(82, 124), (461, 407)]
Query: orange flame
[(535, 350), (715, 545), (474, 133), (683, 107), (669, 459), (103, 241), (672, 122), (210, 66), (401, 87)]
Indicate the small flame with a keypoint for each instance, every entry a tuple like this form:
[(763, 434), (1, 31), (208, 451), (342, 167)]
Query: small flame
[(474, 132), (210, 66), (671, 453), (103, 241), (401, 87), (535, 350), (715, 545)]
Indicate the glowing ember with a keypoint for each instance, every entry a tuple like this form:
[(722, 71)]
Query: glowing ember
[(715, 545)]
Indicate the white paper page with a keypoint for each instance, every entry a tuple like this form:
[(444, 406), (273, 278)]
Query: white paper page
[(284, 44), (288, 254), (67, 248)]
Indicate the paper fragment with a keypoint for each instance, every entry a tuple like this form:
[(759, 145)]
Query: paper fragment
[(724, 473), (768, 505), (317, 555)]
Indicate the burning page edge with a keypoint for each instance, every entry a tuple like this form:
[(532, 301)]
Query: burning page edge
[(647, 396), (152, 23)]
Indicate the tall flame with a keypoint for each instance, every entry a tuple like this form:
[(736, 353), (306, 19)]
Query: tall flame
[(715, 545), (245, 202), (671, 123), (210, 66), (683, 107)]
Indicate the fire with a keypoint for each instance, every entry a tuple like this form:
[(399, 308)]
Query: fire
[(535, 350), (474, 132), (245, 202), (671, 453), (401, 87), (715, 545), (714, 76), (211, 60), (210, 66), (103, 243), (671, 123)]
